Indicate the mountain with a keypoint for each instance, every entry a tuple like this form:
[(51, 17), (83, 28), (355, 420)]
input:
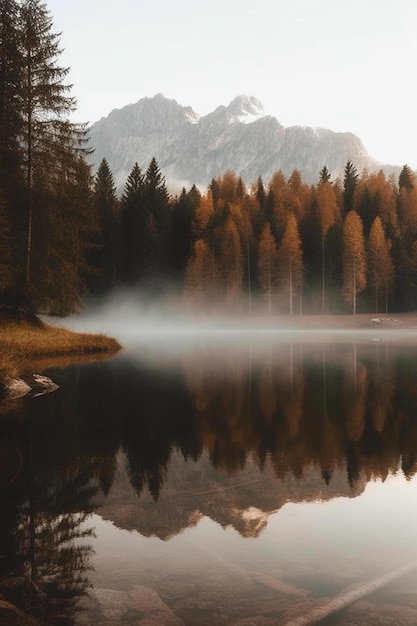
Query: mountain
[(192, 149), (192, 490)]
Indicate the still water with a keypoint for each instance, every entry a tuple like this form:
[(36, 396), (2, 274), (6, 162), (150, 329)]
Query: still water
[(210, 479)]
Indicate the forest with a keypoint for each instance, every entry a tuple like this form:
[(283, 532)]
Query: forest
[(275, 247)]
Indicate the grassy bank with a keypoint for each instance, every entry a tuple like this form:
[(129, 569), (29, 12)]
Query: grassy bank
[(29, 345)]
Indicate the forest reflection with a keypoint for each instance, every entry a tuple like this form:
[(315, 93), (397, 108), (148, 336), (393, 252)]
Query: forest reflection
[(272, 422)]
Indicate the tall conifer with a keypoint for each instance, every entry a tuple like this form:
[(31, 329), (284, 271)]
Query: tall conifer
[(40, 152)]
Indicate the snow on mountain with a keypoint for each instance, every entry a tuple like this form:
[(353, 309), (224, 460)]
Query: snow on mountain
[(192, 149)]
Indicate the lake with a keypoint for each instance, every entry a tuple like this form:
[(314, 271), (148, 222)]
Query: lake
[(215, 477)]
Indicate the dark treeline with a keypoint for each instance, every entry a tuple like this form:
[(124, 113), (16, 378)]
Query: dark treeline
[(280, 246)]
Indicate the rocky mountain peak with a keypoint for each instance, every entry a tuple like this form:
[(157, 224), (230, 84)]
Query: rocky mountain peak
[(246, 106), (241, 137)]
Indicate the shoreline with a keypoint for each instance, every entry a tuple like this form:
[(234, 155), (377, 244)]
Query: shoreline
[(29, 346)]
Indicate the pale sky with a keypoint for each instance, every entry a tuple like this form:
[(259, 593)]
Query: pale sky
[(347, 65)]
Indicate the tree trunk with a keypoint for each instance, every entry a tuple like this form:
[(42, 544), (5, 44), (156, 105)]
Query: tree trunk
[(323, 277), (249, 275), (354, 287)]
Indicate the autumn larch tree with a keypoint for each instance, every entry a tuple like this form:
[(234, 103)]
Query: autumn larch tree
[(380, 265), (297, 198), (201, 277), (405, 250), (203, 216), (267, 265), (290, 263), (328, 214), (354, 258), (231, 263)]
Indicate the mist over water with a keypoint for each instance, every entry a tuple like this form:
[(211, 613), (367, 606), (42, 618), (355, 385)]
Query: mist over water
[(135, 321)]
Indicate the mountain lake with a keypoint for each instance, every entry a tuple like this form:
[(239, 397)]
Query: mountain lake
[(216, 477)]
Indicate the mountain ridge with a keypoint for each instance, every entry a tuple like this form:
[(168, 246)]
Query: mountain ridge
[(193, 149)]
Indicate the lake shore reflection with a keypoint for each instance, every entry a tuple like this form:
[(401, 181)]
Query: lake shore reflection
[(234, 481)]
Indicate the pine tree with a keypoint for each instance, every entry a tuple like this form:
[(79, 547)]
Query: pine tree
[(406, 178), (350, 181), (182, 216), (10, 96), (132, 216), (40, 152), (324, 176), (106, 257), (7, 252), (50, 142), (156, 204), (260, 193)]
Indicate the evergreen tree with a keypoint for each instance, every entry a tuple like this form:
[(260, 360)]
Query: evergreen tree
[(324, 176), (40, 152), (260, 193), (105, 259), (10, 97), (133, 223), (7, 253), (350, 181), (49, 141), (156, 205), (406, 178), (183, 212)]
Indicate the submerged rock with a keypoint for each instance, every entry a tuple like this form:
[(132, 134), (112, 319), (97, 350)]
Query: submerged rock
[(141, 606), (16, 388), (42, 384), (37, 385)]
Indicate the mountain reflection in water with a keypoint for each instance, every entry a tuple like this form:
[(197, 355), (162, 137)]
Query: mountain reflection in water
[(216, 441)]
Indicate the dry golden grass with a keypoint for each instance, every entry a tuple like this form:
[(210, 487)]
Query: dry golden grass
[(27, 346)]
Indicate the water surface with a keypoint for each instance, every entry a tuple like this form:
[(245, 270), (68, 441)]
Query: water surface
[(214, 478)]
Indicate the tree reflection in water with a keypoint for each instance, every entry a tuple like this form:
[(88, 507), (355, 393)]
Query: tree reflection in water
[(295, 408)]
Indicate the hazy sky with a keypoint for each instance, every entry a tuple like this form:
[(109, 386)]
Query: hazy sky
[(345, 65)]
